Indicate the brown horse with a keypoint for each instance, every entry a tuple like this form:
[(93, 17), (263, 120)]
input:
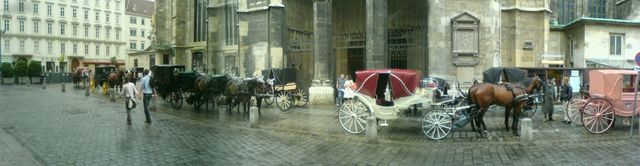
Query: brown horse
[(486, 94), (206, 88), (78, 76), (240, 91), (115, 79)]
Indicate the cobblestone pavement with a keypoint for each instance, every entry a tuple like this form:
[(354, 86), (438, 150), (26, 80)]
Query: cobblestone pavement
[(70, 129)]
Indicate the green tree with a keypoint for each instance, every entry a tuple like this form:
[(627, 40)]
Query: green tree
[(7, 70), (21, 69), (35, 69)]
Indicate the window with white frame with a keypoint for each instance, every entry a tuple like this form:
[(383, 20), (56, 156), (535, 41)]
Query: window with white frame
[(142, 45), (62, 29), (62, 48), (6, 45), (97, 50), (97, 16), (117, 50), (61, 11), (21, 25), (35, 8), (75, 30), (132, 45), (86, 14), (50, 47), (6, 5), (36, 46), (107, 33), (74, 13), (49, 28), (97, 32), (86, 49), (106, 19), (75, 49), (49, 13), (142, 33), (86, 31), (22, 46), (36, 26), (132, 20), (6, 25), (117, 18), (106, 3), (142, 21), (132, 32), (20, 7), (616, 41), (117, 4), (117, 34)]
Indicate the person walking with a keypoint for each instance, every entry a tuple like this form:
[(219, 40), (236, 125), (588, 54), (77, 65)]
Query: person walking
[(129, 92), (348, 88), (565, 96), (340, 88), (547, 103), (148, 92)]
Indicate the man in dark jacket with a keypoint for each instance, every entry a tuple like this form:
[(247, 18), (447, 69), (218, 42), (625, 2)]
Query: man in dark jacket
[(547, 103)]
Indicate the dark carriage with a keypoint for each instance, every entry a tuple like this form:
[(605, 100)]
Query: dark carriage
[(285, 89), (101, 75), (165, 79), (176, 85)]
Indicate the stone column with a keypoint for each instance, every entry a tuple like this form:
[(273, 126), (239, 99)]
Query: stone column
[(376, 34), (321, 91)]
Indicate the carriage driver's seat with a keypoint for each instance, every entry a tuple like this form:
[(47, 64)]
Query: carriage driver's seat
[(383, 91)]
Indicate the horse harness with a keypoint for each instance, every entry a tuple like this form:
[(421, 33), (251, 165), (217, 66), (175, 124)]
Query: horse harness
[(511, 89)]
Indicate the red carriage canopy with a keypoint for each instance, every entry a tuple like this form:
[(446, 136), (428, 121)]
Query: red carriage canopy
[(403, 82)]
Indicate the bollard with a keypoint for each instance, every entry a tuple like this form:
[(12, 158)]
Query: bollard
[(63, 87), (526, 131), (112, 95), (86, 91), (253, 117), (44, 83), (372, 129), (223, 114)]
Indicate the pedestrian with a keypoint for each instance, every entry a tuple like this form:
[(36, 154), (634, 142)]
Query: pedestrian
[(348, 88), (129, 93), (148, 92), (340, 88), (547, 102), (565, 96)]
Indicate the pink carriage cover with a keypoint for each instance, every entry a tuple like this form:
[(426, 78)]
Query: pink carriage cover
[(609, 84), (404, 82)]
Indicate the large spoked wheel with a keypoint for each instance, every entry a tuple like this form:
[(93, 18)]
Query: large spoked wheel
[(572, 109), (283, 100), (176, 100), (301, 98), (353, 116), (530, 110), (598, 115), (436, 124)]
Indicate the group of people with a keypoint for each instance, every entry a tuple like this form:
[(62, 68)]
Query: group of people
[(549, 93), (346, 88), (130, 93)]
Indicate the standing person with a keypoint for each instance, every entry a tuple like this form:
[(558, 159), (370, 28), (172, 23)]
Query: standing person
[(565, 97), (148, 92), (340, 88), (547, 102), (129, 92), (348, 88)]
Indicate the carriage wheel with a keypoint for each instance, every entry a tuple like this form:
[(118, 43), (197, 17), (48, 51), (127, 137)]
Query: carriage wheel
[(283, 101), (436, 124), (572, 109), (176, 100), (529, 113), (598, 115), (301, 98), (352, 116), (269, 100)]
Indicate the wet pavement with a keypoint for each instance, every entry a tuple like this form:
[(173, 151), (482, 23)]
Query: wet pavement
[(48, 127)]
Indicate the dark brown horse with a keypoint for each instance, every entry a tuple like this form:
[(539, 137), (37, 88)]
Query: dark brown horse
[(116, 79), (241, 91), (78, 76), (486, 94), (207, 88)]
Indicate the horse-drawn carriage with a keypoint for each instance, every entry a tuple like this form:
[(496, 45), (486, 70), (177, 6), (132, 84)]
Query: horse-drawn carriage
[(176, 85), (80, 77), (384, 93), (285, 90), (100, 78), (611, 94)]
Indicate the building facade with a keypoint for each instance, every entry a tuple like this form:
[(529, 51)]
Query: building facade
[(87, 32), (139, 14)]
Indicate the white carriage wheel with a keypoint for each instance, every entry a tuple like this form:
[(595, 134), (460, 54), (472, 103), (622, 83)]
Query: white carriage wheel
[(352, 116), (283, 101), (436, 124), (598, 115), (572, 109), (301, 98)]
